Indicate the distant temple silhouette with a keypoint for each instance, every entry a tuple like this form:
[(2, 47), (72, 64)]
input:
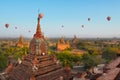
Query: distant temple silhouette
[(62, 45), (21, 43), (74, 42)]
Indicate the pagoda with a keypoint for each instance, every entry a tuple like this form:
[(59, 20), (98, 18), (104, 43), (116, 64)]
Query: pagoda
[(75, 42), (62, 44), (38, 64), (20, 42)]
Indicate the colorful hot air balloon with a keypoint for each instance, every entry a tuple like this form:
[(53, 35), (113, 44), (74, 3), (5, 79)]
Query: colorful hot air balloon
[(6, 25), (88, 19), (41, 15), (108, 18)]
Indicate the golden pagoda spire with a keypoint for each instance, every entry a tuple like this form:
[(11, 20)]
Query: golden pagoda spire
[(38, 33)]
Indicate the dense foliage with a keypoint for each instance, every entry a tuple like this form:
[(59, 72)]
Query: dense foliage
[(67, 58), (11, 51), (110, 54), (89, 60)]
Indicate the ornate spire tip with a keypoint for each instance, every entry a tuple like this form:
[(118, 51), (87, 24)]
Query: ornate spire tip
[(41, 15)]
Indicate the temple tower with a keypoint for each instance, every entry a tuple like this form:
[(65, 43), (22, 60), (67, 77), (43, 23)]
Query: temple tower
[(20, 42), (38, 44), (75, 42), (62, 44), (38, 64)]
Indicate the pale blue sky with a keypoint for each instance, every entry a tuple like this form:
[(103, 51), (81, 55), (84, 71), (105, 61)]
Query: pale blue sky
[(70, 13)]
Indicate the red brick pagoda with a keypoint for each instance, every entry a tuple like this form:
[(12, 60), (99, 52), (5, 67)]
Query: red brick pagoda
[(38, 64)]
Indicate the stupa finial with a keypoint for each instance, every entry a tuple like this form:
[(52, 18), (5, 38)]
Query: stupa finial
[(38, 33)]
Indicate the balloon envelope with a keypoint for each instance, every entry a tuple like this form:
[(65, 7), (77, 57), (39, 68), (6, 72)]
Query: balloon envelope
[(88, 19), (108, 18), (41, 15), (15, 27), (6, 25), (82, 26), (29, 31)]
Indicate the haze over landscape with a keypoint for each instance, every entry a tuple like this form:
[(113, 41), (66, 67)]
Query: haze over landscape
[(71, 14)]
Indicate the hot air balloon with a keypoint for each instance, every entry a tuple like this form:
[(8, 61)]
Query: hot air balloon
[(6, 25), (15, 27), (41, 15), (108, 18), (29, 31), (82, 26), (62, 26), (88, 19)]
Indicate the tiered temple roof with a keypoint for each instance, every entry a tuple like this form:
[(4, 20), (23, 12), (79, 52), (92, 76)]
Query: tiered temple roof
[(45, 69), (38, 64), (112, 71)]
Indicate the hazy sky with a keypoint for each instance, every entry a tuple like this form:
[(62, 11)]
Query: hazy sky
[(70, 13)]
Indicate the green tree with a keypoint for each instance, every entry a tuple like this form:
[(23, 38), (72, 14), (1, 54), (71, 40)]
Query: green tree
[(3, 61), (11, 51), (19, 52), (66, 58), (109, 54), (90, 60)]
